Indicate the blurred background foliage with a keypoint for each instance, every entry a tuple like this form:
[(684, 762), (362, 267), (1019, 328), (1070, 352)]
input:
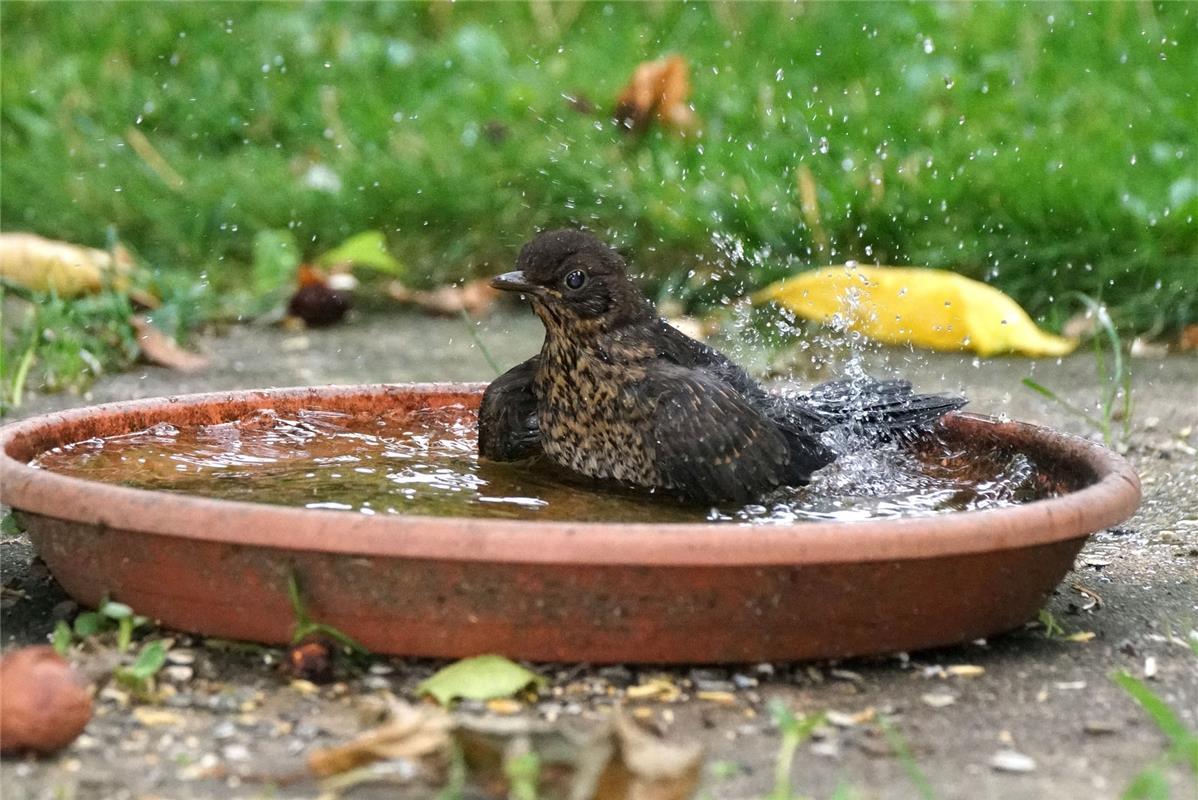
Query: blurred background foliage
[(1044, 148)]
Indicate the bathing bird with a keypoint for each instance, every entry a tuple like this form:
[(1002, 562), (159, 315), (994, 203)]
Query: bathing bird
[(618, 394)]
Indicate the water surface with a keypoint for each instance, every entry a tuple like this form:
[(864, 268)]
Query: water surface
[(425, 462)]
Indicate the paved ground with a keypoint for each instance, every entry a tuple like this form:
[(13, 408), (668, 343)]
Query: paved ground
[(1049, 699)]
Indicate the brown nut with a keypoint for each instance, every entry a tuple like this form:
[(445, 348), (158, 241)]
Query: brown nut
[(44, 702)]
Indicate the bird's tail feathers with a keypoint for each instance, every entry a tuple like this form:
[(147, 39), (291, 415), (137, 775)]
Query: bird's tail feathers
[(871, 406)]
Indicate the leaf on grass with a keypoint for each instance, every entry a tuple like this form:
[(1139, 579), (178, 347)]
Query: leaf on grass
[(158, 348), (479, 678), (367, 249), (932, 308), (411, 733), (68, 270), (658, 90), (474, 297)]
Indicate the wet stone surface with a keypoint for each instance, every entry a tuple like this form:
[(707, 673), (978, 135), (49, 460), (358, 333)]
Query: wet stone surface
[(1022, 716)]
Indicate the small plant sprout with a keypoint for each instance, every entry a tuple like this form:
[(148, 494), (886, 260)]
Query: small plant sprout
[(795, 730), (139, 676), (108, 616), (305, 626), (902, 750), (1114, 375), (1183, 741), (1052, 628)]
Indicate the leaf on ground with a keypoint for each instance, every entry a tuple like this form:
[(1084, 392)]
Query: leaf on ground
[(412, 733), (158, 348), (658, 90), (473, 297), (367, 249), (1187, 340), (69, 270), (646, 767), (479, 678), (931, 308)]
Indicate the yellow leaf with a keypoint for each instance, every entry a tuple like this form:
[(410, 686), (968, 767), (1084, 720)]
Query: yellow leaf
[(44, 265), (931, 308)]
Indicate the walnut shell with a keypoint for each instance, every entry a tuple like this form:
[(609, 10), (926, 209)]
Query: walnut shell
[(44, 702)]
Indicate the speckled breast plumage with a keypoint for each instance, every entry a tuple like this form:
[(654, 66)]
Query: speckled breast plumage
[(591, 421)]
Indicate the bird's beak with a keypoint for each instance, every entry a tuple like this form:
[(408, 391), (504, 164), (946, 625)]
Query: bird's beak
[(514, 282)]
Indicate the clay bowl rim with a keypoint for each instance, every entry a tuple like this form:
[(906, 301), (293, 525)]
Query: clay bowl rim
[(1112, 498)]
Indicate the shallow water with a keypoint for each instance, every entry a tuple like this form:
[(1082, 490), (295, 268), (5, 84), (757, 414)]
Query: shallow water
[(425, 462)]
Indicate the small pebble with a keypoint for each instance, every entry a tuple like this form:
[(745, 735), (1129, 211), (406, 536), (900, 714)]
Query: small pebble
[(1012, 761), (938, 699), (181, 656), (847, 675), (743, 681), (1100, 727), (236, 752), (224, 730), (178, 673), (1150, 667)]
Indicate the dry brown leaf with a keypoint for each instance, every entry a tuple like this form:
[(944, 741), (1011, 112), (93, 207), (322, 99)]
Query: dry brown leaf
[(1188, 338), (645, 767), (659, 90), (474, 297), (43, 265), (415, 733), (158, 348)]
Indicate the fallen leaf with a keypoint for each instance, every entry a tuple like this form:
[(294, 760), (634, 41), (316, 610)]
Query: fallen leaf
[(842, 720), (657, 688), (473, 297), (646, 767), (152, 717), (1080, 636), (479, 678), (932, 308), (938, 699), (69, 270), (658, 90), (965, 671), (504, 706), (1188, 338), (158, 348), (723, 698), (413, 733), (367, 249)]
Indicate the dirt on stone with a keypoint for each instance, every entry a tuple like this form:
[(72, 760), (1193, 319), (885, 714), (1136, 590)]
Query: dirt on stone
[(1025, 715)]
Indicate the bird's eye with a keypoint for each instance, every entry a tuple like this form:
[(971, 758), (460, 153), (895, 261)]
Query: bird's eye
[(576, 279)]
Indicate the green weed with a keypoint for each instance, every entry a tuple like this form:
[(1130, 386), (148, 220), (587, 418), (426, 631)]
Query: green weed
[(1114, 377)]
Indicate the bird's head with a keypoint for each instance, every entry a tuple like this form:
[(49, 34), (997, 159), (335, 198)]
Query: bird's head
[(575, 283)]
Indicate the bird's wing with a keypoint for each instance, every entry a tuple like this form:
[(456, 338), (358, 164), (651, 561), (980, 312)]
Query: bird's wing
[(507, 416), (711, 445), (676, 347)]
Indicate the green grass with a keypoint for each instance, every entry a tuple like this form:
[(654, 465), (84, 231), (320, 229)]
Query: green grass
[(1046, 148)]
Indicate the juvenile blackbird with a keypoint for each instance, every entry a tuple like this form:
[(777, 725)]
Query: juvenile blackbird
[(617, 393)]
